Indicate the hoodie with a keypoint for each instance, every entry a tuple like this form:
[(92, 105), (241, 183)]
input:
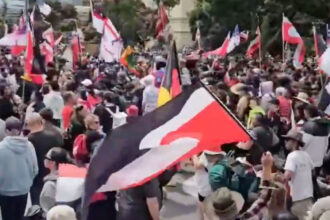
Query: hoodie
[(18, 166)]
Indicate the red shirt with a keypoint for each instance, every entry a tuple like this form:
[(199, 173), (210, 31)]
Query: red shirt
[(285, 107), (94, 100), (66, 115)]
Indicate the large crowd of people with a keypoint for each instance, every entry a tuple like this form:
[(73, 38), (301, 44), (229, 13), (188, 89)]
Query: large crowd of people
[(282, 173)]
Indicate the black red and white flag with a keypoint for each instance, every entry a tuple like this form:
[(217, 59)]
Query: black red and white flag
[(137, 152)]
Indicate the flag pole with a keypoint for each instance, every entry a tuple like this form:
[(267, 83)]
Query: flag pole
[(283, 44)]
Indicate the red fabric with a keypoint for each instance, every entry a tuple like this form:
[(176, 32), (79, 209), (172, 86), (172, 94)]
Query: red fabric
[(285, 107), (29, 54), (75, 47), (289, 32), (221, 51), (79, 148), (162, 21), (176, 84), (93, 101), (17, 50), (67, 113), (85, 103)]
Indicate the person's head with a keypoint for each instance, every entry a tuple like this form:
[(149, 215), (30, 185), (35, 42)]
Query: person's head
[(92, 122), (5, 91), (81, 112), (110, 97), (56, 156), (274, 105), (281, 91), (310, 111), (253, 102), (293, 140), (285, 215), (69, 98), (13, 126), (47, 114), (61, 212), (224, 204), (35, 122), (259, 120), (54, 86), (45, 89)]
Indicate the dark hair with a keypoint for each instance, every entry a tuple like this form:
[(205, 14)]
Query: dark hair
[(59, 155), (160, 65), (55, 86), (285, 216), (45, 89), (312, 111), (262, 120), (38, 95), (47, 114), (91, 138)]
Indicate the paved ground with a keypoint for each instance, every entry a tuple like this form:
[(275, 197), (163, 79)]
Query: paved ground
[(179, 203)]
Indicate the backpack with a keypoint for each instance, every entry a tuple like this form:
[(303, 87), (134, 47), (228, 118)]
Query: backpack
[(119, 118), (80, 152), (221, 175)]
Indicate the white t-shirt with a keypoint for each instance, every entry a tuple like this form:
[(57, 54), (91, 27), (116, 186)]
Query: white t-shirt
[(301, 185)]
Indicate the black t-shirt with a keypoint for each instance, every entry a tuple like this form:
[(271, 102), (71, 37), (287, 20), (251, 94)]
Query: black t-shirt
[(42, 142), (132, 202), (6, 109)]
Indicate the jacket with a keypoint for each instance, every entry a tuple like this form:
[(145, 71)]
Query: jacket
[(18, 166)]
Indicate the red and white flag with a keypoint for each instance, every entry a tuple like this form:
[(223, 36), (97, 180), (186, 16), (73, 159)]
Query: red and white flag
[(290, 33), (221, 51), (76, 50), (324, 62), (111, 43), (162, 22), (254, 45), (48, 35)]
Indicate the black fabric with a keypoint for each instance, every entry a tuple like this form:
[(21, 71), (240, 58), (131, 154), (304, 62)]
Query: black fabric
[(106, 161), (7, 109), (54, 131), (105, 209), (316, 128), (132, 202), (13, 207), (39, 106), (42, 142), (105, 117)]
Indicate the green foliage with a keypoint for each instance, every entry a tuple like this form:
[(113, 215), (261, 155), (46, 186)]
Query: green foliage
[(60, 12), (131, 18), (217, 17)]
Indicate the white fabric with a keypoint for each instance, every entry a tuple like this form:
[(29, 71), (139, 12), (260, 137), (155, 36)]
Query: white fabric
[(197, 102), (203, 183), (54, 101), (301, 185), (316, 147), (325, 62), (150, 99), (119, 118), (69, 189), (129, 175)]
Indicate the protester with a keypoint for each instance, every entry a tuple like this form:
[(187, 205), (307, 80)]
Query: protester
[(50, 128), (18, 168), (67, 112), (298, 170), (42, 142), (54, 101), (77, 121), (6, 105), (150, 95), (53, 158)]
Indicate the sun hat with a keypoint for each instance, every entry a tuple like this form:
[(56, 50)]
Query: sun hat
[(61, 212), (302, 97), (223, 204), (293, 134)]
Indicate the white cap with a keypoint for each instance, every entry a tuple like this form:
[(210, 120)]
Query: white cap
[(87, 82)]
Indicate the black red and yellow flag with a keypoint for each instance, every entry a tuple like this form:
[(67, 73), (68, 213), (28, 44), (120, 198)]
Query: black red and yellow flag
[(171, 85)]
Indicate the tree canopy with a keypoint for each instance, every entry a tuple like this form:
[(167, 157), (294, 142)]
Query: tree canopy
[(217, 17)]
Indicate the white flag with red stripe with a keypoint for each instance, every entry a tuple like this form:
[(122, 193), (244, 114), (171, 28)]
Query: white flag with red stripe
[(254, 45), (111, 43), (324, 62)]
